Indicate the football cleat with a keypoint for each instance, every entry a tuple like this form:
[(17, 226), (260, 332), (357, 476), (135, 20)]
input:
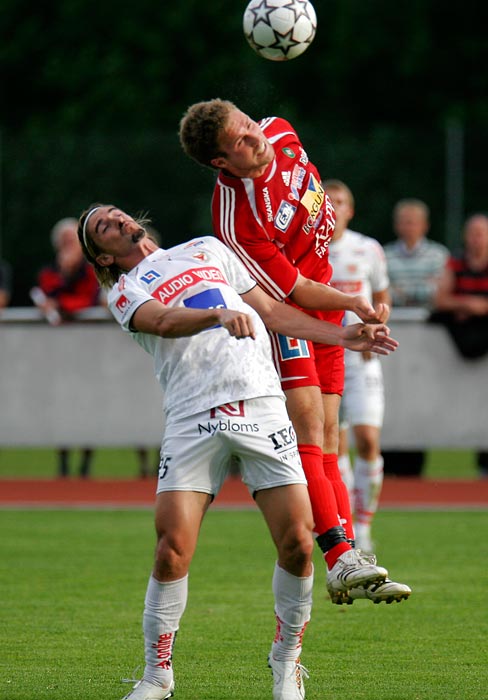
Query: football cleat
[(143, 690), (385, 591), (353, 569), (288, 679)]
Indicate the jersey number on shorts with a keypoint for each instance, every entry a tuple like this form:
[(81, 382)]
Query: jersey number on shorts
[(163, 467)]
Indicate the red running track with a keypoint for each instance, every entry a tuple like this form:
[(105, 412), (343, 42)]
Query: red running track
[(133, 493)]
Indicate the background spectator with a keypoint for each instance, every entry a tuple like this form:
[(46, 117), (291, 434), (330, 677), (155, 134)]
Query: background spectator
[(414, 265), (359, 267), (68, 284), (461, 301), (65, 287)]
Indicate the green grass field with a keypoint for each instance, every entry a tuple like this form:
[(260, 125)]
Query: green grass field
[(122, 463), (73, 584)]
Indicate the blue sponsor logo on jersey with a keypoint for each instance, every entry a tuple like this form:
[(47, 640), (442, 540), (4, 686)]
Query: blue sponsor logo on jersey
[(284, 215), (291, 348), (150, 276), (209, 299)]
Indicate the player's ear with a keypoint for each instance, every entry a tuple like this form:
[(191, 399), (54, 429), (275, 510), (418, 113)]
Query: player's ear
[(220, 162), (105, 260)]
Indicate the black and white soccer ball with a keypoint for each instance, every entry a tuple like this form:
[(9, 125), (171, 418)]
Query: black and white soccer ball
[(279, 30)]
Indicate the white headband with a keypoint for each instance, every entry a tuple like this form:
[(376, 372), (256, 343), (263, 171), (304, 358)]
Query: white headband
[(92, 211)]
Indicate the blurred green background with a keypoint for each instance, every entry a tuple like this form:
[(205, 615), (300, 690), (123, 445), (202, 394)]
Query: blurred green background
[(123, 463), (391, 98)]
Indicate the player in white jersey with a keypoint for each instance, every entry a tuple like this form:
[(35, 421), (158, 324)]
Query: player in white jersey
[(359, 267), (195, 309)]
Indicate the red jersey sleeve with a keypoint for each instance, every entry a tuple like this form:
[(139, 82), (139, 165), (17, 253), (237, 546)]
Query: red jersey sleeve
[(280, 223), (237, 224)]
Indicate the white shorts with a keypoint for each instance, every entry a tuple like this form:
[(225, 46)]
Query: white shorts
[(197, 451), (363, 401)]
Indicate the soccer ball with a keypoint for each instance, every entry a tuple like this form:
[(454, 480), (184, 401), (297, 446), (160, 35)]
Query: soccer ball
[(279, 30)]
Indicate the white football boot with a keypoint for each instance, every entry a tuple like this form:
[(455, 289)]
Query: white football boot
[(353, 569), (386, 591), (288, 679), (143, 690)]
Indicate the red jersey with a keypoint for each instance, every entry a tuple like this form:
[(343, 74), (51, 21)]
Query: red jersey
[(280, 223), (468, 281), (74, 293)]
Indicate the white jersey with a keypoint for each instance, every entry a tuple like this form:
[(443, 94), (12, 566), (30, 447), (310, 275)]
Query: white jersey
[(211, 368), (359, 267)]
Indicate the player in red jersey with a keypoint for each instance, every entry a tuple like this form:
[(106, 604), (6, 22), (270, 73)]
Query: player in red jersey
[(270, 208)]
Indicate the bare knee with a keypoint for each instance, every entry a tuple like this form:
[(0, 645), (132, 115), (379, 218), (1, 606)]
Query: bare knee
[(331, 403), (331, 437), (367, 450), (178, 518), (172, 559), (367, 442), (295, 550), (304, 407)]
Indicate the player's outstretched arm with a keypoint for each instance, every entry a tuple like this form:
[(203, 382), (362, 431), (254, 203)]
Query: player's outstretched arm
[(157, 319), (368, 338), (362, 308), (294, 323), (314, 295)]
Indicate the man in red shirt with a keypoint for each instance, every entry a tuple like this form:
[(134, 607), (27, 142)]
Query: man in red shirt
[(271, 210), (68, 284), (64, 287)]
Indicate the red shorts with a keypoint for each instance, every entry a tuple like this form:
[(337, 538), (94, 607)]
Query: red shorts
[(302, 363)]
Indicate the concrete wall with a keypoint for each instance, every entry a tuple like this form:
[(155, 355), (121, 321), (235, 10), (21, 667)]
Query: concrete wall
[(434, 397), (89, 383), (84, 383)]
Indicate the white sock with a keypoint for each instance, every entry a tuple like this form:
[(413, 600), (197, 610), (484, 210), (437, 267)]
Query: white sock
[(163, 607), (293, 606), (368, 480), (344, 462)]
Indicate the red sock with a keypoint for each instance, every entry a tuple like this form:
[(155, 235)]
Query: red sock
[(321, 492), (333, 554), (332, 473)]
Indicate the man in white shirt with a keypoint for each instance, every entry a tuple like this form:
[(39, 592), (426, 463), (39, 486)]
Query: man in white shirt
[(197, 311), (359, 267)]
